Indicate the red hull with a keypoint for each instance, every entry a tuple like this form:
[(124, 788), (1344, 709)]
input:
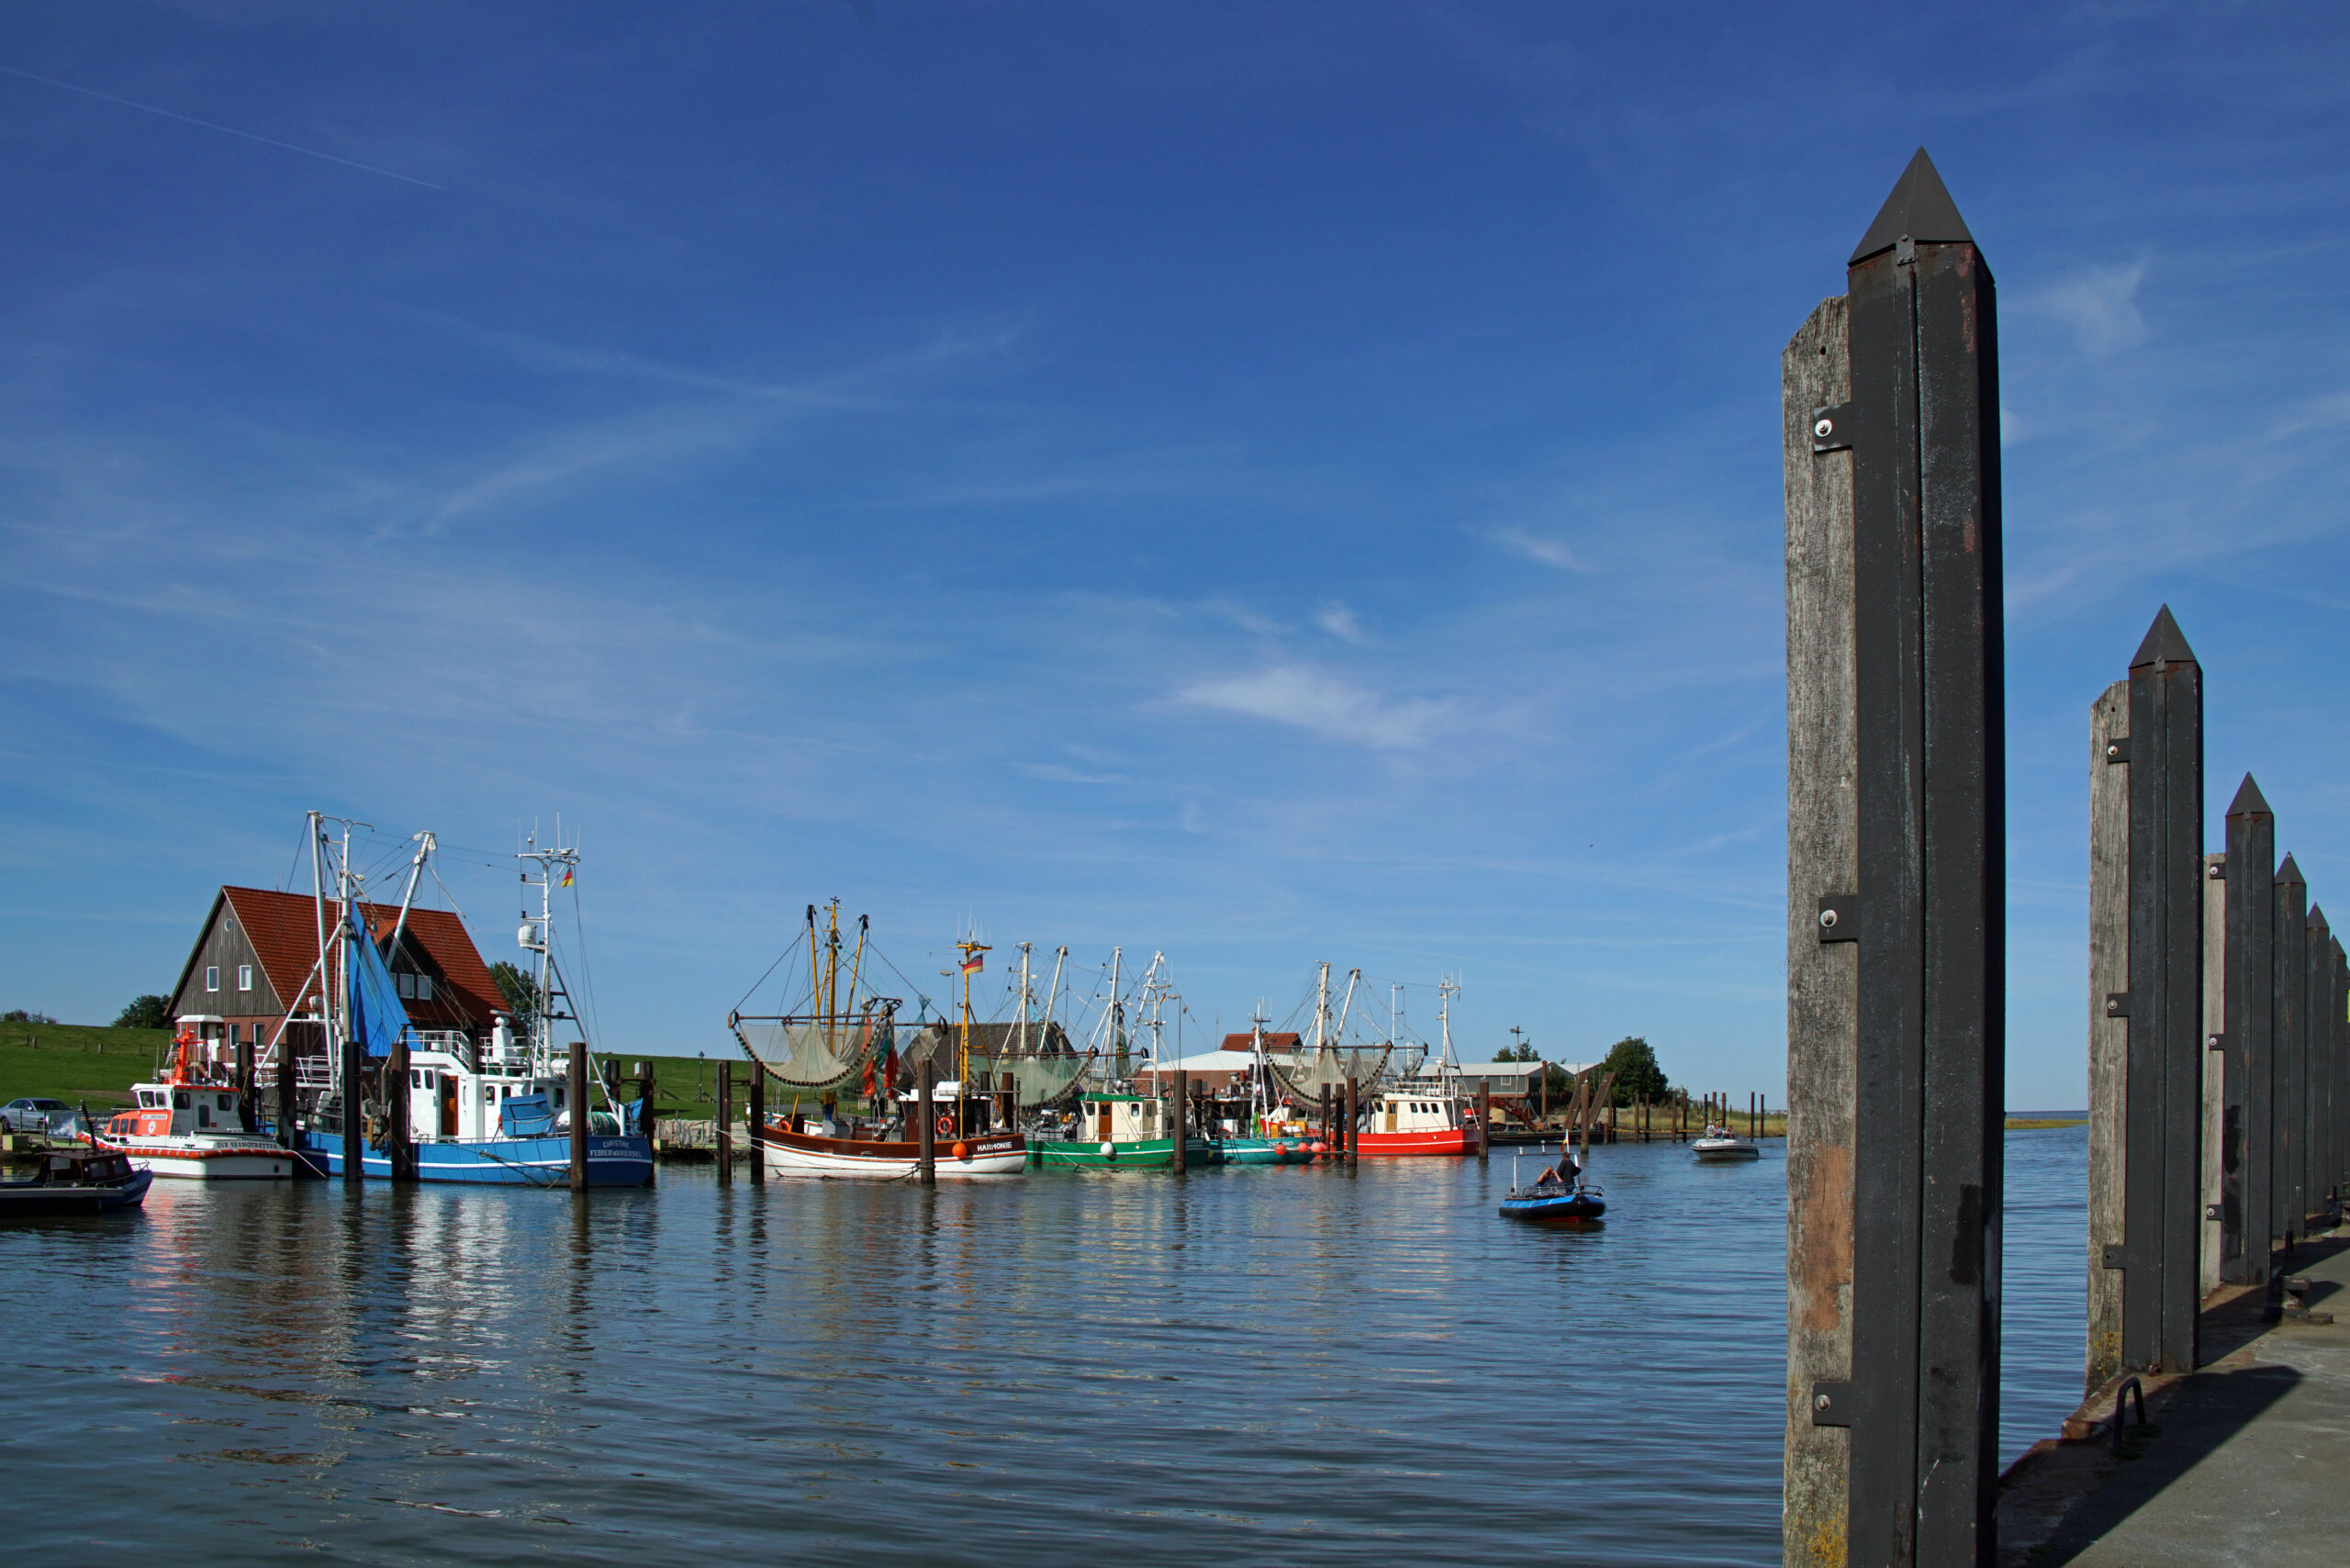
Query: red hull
[(1455, 1141)]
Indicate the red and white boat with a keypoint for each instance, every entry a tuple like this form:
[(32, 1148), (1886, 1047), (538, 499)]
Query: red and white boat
[(807, 1146), (1420, 1121), (1428, 1116), (188, 1126)]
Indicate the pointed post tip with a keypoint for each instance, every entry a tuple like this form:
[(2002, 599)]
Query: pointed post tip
[(2164, 643), (2289, 872), (1919, 209), (2249, 801)]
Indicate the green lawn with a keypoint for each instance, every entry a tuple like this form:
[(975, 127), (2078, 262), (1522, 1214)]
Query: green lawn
[(76, 1061), (81, 1061)]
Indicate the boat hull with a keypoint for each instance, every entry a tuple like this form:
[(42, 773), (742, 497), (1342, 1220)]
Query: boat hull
[(1140, 1154), (27, 1200), (1264, 1152), (1565, 1209), (192, 1160), (613, 1160), (788, 1153), (1439, 1141), (1712, 1151)]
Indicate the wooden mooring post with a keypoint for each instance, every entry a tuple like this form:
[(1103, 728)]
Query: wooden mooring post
[(2288, 1010), (579, 1113), (1485, 1116), (399, 1142), (926, 1168), (1352, 1130), (723, 1143), (1182, 1109), (1895, 844), (2247, 1046), (757, 1119)]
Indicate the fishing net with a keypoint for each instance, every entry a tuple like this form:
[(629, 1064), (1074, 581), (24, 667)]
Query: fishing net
[(1305, 1073), (814, 1053)]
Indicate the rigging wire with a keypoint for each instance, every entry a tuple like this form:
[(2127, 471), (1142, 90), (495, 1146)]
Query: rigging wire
[(771, 969)]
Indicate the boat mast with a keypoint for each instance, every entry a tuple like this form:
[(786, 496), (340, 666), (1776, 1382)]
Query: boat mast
[(1053, 994), (971, 960), (1321, 1008), (1117, 1010), (1447, 1069), (1026, 998), (319, 902)]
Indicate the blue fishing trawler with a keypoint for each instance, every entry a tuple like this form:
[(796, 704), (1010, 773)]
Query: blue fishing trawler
[(492, 1110)]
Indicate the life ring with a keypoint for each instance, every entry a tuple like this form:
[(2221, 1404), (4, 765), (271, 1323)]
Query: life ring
[(945, 1124)]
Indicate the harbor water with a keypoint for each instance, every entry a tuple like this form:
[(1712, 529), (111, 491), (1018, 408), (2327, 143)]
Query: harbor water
[(1260, 1365)]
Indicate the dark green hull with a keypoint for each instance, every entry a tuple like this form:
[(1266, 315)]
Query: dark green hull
[(1141, 1154)]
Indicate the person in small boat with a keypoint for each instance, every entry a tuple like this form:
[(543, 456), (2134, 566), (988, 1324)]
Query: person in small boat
[(1562, 1175)]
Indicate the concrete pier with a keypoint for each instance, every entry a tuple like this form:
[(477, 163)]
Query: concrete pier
[(2240, 1461)]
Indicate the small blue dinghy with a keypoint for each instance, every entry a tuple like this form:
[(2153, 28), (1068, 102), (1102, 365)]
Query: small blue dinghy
[(1559, 1195)]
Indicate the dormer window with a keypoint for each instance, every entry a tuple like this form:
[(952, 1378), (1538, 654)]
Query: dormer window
[(414, 987)]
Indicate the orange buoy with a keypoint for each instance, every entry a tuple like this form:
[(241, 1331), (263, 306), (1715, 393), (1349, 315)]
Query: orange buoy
[(962, 1151)]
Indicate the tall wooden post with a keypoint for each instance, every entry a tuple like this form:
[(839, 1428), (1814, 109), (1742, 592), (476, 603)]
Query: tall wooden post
[(1354, 1121), (2289, 1031), (724, 1145), (2211, 1190), (399, 1143), (579, 1113), (926, 1169), (2108, 1037), (2160, 1256), (1485, 1116), (2315, 1181), (246, 1105), (1917, 887), (2246, 1203), (1183, 1110), (2338, 1020), (758, 1123), (1328, 1131), (354, 1123), (286, 1094)]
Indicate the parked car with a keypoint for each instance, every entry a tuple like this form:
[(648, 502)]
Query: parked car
[(30, 1114)]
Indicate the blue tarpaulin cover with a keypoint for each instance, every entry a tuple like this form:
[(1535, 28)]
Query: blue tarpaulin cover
[(376, 1016), (525, 1115)]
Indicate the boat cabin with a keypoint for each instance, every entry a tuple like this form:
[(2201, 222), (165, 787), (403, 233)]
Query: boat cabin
[(1410, 1111), (455, 1090), (167, 1110), (1120, 1118)]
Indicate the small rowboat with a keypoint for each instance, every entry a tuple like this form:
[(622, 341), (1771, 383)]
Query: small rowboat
[(1554, 1203)]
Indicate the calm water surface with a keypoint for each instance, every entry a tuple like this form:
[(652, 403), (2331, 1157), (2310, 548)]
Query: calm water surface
[(1284, 1366)]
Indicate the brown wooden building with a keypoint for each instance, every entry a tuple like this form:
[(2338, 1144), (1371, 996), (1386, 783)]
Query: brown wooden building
[(256, 962)]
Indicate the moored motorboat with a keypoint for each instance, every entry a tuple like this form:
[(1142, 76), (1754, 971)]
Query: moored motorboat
[(188, 1126), (70, 1179), (1721, 1146)]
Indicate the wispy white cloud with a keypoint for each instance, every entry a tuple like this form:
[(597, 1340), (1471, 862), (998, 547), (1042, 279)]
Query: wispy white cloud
[(1335, 618), (1060, 773), (1540, 548), (1323, 705), (2101, 307)]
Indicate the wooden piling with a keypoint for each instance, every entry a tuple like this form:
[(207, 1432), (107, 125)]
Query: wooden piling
[(1823, 997), (285, 1095), (246, 1105), (399, 1143), (758, 1123), (1485, 1116), (2212, 1194), (578, 1116), (927, 1170), (1183, 1110), (2108, 1039), (354, 1124), (1354, 1125), (724, 1141)]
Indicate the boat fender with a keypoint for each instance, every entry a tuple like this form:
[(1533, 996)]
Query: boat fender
[(945, 1124), (1109, 1149), (962, 1151), (1280, 1151)]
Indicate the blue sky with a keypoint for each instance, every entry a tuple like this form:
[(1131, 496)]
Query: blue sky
[(1266, 484)]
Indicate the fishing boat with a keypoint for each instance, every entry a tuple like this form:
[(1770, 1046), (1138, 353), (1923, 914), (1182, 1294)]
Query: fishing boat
[(494, 1111), (1423, 1119), (1113, 1130), (190, 1123), (845, 1039), (53, 1179), (1721, 1146), (822, 1146)]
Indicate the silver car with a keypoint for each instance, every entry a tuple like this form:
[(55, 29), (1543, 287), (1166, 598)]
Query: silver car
[(31, 1115)]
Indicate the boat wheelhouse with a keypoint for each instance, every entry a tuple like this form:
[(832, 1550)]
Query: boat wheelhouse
[(1120, 1130)]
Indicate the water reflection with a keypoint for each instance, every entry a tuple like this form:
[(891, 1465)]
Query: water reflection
[(1271, 1364)]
